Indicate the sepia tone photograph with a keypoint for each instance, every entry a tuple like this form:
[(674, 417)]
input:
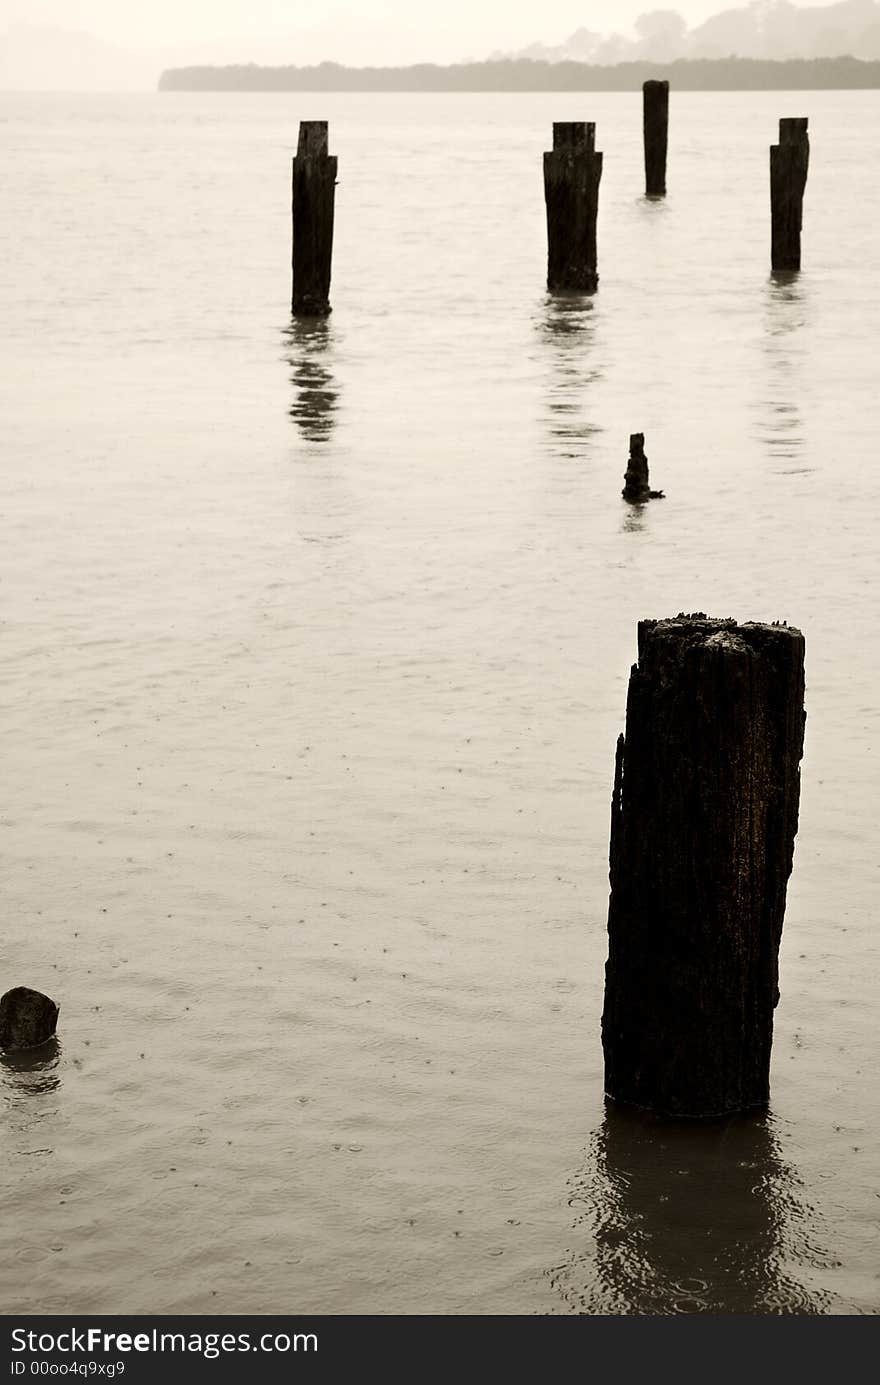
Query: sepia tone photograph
[(440, 709)]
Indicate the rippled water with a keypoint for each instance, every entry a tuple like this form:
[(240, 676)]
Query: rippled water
[(315, 649)]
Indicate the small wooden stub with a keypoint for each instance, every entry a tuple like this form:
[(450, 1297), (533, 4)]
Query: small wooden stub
[(27, 1018), (635, 482)]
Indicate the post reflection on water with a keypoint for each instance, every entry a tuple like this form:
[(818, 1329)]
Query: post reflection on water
[(568, 328), (29, 1083), (315, 399), (633, 518), (780, 425), (682, 1217)]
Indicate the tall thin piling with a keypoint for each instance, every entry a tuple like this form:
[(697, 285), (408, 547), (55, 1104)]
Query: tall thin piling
[(655, 128), (572, 170), (703, 820), (314, 193), (789, 161)]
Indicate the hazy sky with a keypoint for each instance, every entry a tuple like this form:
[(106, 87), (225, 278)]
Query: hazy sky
[(351, 30)]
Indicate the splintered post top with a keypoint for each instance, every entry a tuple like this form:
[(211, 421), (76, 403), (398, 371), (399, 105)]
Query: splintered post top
[(574, 134), (686, 631), (792, 129), (313, 138)]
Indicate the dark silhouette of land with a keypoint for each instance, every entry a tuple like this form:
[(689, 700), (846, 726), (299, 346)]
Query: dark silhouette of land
[(685, 74)]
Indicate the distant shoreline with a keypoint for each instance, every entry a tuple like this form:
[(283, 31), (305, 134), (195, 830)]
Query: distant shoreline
[(685, 74)]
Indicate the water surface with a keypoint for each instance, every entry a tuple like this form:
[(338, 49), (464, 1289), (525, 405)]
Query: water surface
[(315, 650)]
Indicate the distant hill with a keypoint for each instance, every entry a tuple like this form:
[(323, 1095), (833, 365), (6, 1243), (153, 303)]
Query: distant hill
[(767, 29), (685, 74)]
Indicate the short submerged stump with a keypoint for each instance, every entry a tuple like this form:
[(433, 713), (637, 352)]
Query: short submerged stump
[(27, 1018)]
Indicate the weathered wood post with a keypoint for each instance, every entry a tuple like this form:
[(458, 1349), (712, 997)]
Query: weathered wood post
[(703, 820), (27, 1018), (655, 128), (314, 192), (635, 481), (789, 160), (572, 170)]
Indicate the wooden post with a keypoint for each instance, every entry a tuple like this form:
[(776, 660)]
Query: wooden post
[(314, 191), (571, 191), (636, 487), (27, 1018), (655, 127), (703, 820), (789, 160)]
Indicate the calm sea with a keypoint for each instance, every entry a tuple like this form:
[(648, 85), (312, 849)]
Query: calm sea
[(315, 647)]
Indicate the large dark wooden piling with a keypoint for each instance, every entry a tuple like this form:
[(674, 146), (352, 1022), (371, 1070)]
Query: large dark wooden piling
[(789, 161), (314, 193), (703, 820), (655, 126), (572, 170)]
